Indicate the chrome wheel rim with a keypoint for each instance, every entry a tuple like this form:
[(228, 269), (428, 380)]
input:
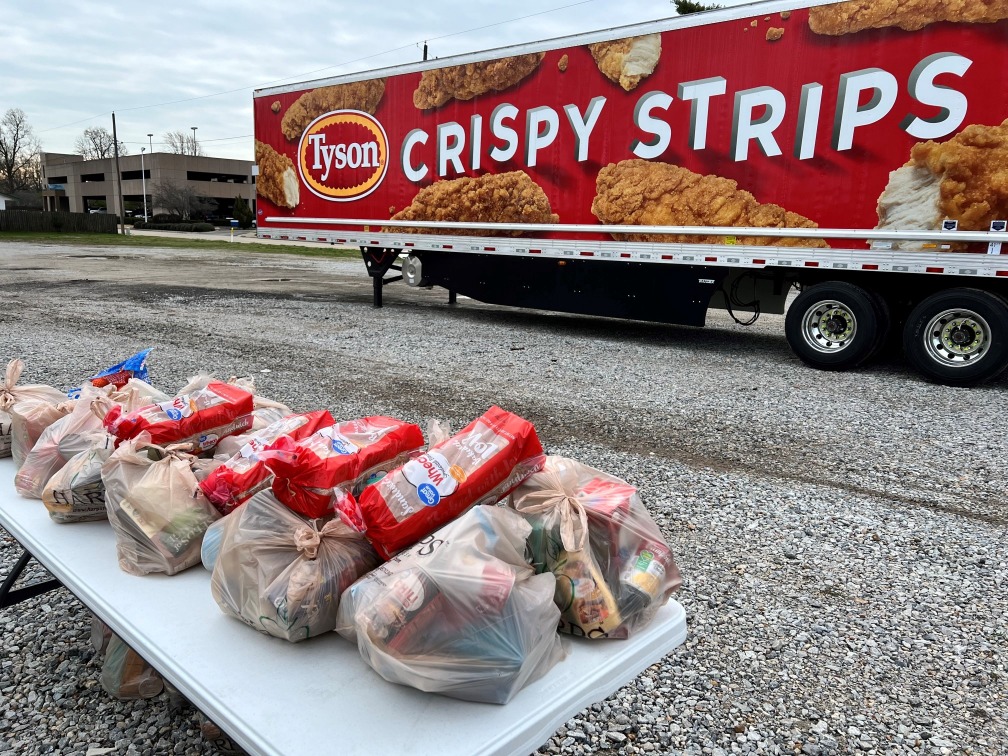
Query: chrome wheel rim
[(957, 338), (829, 326)]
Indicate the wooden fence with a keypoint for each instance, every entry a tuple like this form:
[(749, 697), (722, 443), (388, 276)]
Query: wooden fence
[(37, 220)]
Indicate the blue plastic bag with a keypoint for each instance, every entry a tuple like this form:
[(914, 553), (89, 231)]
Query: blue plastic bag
[(118, 374)]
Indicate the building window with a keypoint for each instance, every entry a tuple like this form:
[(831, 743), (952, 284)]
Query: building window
[(85, 177)]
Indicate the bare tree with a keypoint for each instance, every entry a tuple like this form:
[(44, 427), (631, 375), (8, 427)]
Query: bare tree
[(180, 200), (96, 143), (183, 144), (19, 153)]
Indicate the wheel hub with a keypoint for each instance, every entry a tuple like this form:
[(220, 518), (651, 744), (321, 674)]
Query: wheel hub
[(829, 326), (957, 337)]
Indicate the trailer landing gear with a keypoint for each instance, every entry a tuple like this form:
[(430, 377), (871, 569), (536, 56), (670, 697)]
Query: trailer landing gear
[(380, 261)]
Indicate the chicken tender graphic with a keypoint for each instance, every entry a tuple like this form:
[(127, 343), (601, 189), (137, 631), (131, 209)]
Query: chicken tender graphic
[(858, 15), (628, 61), (639, 192), (441, 85), (496, 198), (357, 95), (278, 181), (963, 179)]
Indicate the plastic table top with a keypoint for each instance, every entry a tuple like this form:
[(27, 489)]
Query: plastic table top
[(275, 697)]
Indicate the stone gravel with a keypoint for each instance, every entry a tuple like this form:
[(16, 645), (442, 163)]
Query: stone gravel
[(841, 536)]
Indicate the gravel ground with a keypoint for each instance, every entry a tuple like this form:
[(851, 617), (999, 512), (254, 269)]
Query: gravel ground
[(841, 536)]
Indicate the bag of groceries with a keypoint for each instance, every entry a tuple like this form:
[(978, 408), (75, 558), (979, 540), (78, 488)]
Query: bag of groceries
[(125, 675), (201, 416), (77, 432), (283, 574), (307, 473), (76, 493), (245, 474), (481, 463), (155, 507), (461, 613), (11, 394), (613, 568)]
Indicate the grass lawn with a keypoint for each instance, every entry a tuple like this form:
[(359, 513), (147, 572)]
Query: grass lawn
[(116, 240)]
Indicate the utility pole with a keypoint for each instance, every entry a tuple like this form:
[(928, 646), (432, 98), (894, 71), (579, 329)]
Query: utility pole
[(143, 179), (122, 205), (193, 140)]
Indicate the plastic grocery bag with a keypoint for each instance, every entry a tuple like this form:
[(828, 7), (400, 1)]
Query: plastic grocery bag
[(308, 472), (118, 375), (11, 394), (77, 432), (76, 493), (125, 675), (480, 464), (245, 474), (590, 529), (155, 507), (461, 613), (200, 417), (283, 574)]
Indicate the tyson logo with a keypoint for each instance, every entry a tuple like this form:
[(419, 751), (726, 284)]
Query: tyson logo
[(343, 155)]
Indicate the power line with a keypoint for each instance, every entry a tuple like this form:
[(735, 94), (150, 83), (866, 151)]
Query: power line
[(320, 70)]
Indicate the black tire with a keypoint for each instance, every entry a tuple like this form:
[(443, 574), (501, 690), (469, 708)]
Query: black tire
[(958, 337), (883, 332), (832, 326)]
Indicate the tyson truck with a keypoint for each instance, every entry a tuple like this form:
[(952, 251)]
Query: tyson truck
[(855, 151)]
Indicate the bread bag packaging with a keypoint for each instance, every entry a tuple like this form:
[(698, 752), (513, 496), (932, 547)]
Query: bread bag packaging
[(613, 567), (155, 507), (461, 613), (201, 416), (308, 472), (11, 394), (243, 475), (283, 574), (481, 463)]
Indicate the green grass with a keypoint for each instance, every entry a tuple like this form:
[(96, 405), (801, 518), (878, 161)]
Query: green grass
[(115, 240)]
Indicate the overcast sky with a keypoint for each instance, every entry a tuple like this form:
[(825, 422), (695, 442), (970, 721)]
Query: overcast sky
[(170, 66)]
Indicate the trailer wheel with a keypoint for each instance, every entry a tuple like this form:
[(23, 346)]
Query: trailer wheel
[(833, 326), (958, 337)]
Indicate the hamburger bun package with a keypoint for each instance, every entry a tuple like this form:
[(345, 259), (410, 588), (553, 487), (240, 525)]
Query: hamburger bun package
[(461, 613), (307, 472), (613, 567), (481, 463)]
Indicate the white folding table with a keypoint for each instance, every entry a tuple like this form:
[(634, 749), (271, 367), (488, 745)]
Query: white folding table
[(275, 697)]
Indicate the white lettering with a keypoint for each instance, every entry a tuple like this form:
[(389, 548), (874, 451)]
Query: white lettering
[(541, 127), (746, 128), (808, 121), (699, 94), (584, 125), (850, 114), (504, 132), (660, 129), (450, 144), (922, 88), (415, 172)]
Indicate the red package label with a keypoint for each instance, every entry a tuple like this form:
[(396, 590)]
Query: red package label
[(306, 473), (430, 491), (203, 417), (245, 474)]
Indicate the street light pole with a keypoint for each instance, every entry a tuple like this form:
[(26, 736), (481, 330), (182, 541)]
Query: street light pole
[(150, 139), (193, 140), (143, 180)]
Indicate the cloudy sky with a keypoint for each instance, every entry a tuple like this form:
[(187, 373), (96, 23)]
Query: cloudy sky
[(171, 66)]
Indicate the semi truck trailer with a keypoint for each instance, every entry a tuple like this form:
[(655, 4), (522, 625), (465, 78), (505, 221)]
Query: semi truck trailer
[(844, 164)]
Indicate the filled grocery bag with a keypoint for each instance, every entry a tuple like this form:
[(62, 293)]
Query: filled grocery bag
[(461, 613), (11, 394), (613, 568), (125, 675), (155, 507), (75, 493), (281, 573), (201, 414), (76, 432), (307, 473), (481, 463), (243, 475)]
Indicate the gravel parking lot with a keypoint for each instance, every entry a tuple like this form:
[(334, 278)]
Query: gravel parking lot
[(841, 536)]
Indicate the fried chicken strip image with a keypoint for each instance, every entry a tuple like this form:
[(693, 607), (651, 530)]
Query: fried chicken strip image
[(627, 61), (510, 197), (911, 15), (357, 95), (963, 179), (440, 85), (640, 192), (277, 181)]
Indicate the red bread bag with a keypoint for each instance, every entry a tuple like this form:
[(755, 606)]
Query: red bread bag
[(480, 464), (245, 474), (201, 417), (306, 472)]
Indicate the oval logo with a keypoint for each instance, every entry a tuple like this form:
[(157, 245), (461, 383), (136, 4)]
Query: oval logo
[(343, 155)]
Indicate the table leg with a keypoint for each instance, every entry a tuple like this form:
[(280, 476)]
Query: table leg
[(10, 595)]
